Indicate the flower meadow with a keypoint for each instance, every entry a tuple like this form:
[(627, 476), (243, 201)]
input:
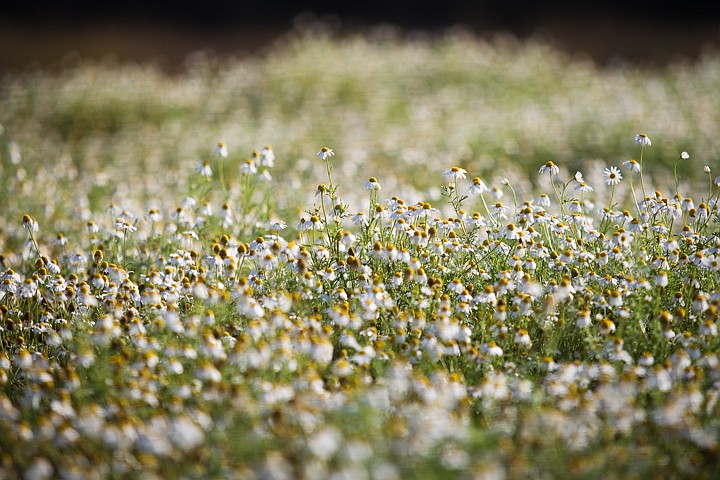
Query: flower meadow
[(564, 325)]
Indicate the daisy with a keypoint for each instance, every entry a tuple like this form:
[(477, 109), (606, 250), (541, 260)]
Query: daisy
[(267, 157), (478, 186), (277, 224), (360, 219), (684, 155), (248, 166), (550, 168), (583, 187), (325, 153), (583, 320), (612, 176), (632, 165), (153, 215), (496, 193), (221, 150), (455, 173), (607, 327), (643, 139), (204, 169), (372, 184), (543, 200)]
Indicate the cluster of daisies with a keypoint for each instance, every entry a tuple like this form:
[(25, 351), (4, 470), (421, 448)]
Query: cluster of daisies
[(529, 338)]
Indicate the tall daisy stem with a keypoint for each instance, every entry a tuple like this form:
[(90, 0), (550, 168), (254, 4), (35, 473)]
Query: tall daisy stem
[(642, 182)]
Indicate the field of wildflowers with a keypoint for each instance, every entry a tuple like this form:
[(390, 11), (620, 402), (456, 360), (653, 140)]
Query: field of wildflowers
[(489, 271)]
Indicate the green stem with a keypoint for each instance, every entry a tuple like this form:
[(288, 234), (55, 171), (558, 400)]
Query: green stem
[(32, 239), (642, 182), (557, 194), (222, 177), (492, 219), (632, 189)]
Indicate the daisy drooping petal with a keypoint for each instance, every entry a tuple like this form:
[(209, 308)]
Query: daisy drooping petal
[(372, 184), (456, 173), (478, 186), (221, 150), (643, 139), (550, 168), (325, 153), (632, 165)]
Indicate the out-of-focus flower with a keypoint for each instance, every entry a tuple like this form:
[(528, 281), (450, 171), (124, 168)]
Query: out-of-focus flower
[(550, 168), (325, 153), (456, 173), (643, 139)]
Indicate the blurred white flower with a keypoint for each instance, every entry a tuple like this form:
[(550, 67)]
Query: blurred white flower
[(325, 153), (221, 150), (550, 168), (632, 165), (456, 173), (372, 184), (478, 186), (643, 139), (204, 169)]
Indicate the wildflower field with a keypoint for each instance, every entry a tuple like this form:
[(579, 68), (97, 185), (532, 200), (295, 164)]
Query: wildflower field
[(458, 259)]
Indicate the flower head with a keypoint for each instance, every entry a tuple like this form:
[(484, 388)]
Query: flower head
[(267, 157), (248, 166), (643, 139), (632, 165), (325, 153), (204, 170), (221, 150), (684, 155), (455, 173), (550, 168), (612, 176), (478, 186), (372, 184)]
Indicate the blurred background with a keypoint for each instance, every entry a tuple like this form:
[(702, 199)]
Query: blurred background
[(118, 102), (41, 32)]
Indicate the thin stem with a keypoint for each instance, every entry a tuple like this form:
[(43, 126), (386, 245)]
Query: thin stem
[(632, 189), (482, 197), (710, 188), (642, 182), (557, 194), (222, 177), (124, 248), (32, 239), (515, 202)]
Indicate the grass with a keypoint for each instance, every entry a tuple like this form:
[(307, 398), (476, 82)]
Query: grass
[(276, 314)]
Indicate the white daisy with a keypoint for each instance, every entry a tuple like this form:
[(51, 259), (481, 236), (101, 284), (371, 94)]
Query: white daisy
[(643, 139), (372, 184), (325, 153), (612, 176), (478, 186), (221, 150), (632, 165), (455, 173), (550, 168)]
